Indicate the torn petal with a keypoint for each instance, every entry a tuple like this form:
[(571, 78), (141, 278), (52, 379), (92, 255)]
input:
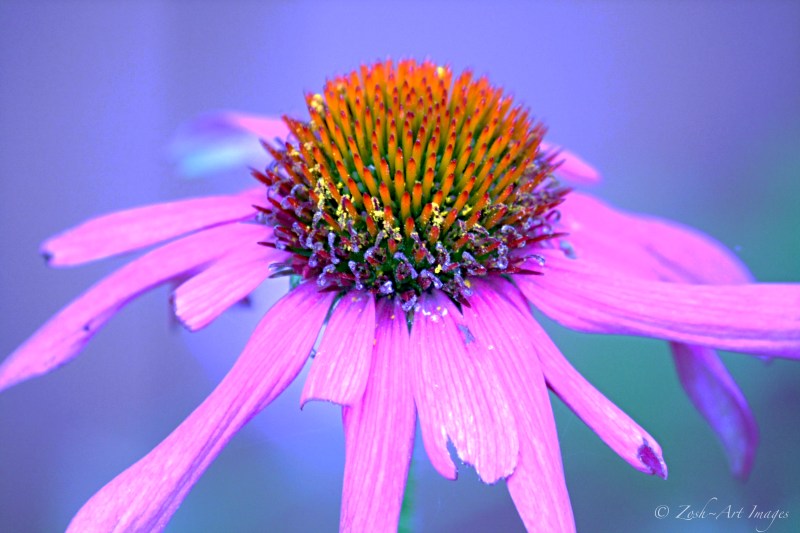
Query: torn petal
[(537, 485), (458, 395)]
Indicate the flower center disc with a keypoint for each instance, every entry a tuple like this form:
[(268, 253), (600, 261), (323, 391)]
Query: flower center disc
[(404, 180)]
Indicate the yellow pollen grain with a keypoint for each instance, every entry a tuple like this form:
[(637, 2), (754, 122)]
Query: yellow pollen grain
[(440, 72), (438, 269), (317, 103), (436, 218), (342, 216)]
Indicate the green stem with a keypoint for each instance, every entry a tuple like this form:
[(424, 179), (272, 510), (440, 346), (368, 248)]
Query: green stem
[(406, 511)]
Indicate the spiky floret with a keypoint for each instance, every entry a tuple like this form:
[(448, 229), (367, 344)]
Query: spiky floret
[(404, 179)]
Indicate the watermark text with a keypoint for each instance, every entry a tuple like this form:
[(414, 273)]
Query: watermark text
[(713, 509)]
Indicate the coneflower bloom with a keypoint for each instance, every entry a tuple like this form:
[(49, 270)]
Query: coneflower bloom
[(421, 216)]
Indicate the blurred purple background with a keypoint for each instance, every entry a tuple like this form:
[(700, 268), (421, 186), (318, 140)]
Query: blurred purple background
[(690, 109)]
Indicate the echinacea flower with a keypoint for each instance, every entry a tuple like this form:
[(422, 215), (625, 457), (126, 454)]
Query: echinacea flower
[(421, 217)]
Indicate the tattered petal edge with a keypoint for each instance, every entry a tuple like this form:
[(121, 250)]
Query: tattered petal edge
[(458, 394)]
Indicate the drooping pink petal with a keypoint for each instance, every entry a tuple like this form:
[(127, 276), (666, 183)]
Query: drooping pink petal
[(223, 140), (537, 485), (572, 169), (340, 368), (63, 336), (611, 424), (146, 495), (760, 318), (649, 247), (202, 298), (662, 249), (458, 395), (379, 432), (132, 229), (713, 391)]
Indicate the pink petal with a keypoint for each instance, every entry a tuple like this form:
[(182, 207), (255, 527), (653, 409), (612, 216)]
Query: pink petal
[(146, 495), (537, 485), (757, 318), (129, 230), (65, 334), (262, 127), (611, 424), (661, 249), (340, 368), (201, 299), (605, 236), (224, 140), (572, 169), (379, 432), (458, 395), (713, 391)]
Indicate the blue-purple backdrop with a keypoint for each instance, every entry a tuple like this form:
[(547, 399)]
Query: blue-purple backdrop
[(690, 109)]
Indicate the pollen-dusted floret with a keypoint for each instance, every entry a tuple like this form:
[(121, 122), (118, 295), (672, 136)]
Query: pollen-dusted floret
[(405, 179)]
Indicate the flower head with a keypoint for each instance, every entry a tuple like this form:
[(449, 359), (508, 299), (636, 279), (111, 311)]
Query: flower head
[(423, 217), (405, 180)]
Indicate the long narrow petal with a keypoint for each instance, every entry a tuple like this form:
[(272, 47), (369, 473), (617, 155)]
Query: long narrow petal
[(146, 495), (572, 169), (614, 426), (202, 298), (537, 485), (379, 432), (132, 229), (653, 248), (64, 335), (458, 395), (224, 140), (340, 368), (761, 318), (714, 393)]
